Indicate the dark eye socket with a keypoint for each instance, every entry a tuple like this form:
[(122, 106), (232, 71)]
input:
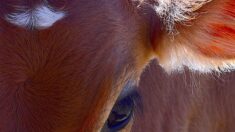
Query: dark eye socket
[(122, 112)]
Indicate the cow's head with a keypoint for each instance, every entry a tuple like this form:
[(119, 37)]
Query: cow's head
[(63, 64)]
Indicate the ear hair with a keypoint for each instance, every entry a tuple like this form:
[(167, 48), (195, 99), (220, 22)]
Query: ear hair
[(177, 11)]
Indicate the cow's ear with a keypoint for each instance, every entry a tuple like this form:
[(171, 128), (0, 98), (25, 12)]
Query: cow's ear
[(199, 34)]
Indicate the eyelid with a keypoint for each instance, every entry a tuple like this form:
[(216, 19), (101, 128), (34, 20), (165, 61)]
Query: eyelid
[(135, 96), (127, 90)]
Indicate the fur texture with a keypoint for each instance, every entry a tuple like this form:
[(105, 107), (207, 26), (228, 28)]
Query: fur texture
[(177, 11), (199, 34), (40, 17), (67, 77)]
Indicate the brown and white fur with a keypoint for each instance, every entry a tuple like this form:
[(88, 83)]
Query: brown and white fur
[(63, 63)]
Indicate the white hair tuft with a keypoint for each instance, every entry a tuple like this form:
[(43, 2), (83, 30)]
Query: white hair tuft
[(177, 11)]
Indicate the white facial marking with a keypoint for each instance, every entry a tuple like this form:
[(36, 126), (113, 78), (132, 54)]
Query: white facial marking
[(41, 17)]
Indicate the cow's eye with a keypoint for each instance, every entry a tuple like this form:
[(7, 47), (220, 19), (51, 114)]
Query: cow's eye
[(121, 114)]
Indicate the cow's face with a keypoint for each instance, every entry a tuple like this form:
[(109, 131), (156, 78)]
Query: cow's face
[(63, 64), (65, 74)]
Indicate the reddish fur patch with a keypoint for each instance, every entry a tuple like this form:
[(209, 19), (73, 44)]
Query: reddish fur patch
[(223, 35), (222, 30), (229, 9), (212, 51), (220, 33)]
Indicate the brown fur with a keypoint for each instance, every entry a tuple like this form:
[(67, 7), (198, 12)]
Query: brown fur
[(67, 77), (185, 102)]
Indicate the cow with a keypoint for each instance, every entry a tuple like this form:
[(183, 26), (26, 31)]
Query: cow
[(70, 65)]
